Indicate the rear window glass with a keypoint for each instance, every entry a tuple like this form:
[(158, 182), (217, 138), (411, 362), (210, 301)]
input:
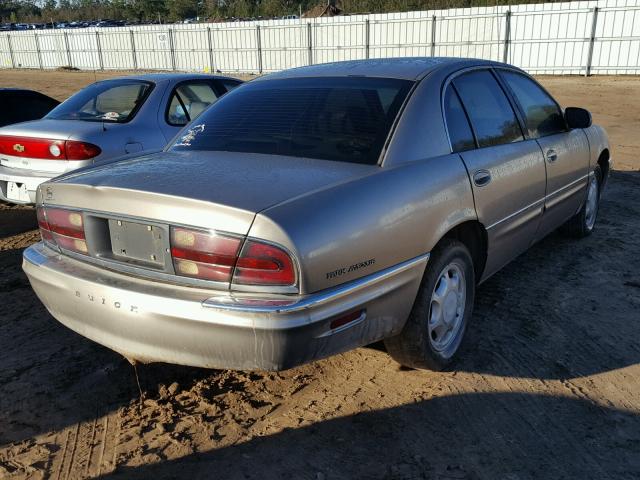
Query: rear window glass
[(340, 119), (111, 101)]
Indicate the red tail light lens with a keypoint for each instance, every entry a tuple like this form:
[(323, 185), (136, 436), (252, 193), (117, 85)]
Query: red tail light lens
[(212, 256), (64, 228), (47, 149), (81, 150), (264, 264), (203, 255), (45, 230)]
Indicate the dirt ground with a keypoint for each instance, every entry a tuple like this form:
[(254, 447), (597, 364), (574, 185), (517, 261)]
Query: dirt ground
[(549, 386)]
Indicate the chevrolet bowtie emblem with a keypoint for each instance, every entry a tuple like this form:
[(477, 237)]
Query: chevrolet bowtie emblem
[(18, 148)]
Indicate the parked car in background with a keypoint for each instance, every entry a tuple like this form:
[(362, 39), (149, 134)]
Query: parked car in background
[(316, 210), (105, 120), (20, 105)]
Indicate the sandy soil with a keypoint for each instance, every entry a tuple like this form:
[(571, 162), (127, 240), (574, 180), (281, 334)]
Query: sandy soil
[(549, 386)]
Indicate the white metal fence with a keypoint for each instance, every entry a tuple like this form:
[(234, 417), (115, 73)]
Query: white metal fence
[(583, 37)]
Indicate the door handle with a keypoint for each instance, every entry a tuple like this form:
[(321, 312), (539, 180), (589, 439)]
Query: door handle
[(552, 156), (481, 178)]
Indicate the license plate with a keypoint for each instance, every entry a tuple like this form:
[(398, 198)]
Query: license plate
[(138, 242), (17, 191)]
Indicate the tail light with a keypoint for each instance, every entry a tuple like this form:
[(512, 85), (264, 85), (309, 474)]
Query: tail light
[(47, 149), (211, 256), (203, 255), (264, 264), (64, 228), (195, 253)]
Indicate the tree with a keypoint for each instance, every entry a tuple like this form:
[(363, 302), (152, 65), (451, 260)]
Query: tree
[(181, 9)]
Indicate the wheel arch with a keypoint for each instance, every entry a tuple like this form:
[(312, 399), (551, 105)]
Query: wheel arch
[(473, 235), (603, 162)]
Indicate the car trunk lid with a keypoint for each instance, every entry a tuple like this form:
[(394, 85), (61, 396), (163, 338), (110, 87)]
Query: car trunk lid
[(237, 183), (131, 207), (19, 137)]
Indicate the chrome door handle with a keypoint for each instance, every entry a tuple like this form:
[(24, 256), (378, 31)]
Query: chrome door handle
[(552, 156), (481, 178)]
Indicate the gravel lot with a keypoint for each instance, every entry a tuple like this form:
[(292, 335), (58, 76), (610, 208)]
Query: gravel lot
[(549, 386)]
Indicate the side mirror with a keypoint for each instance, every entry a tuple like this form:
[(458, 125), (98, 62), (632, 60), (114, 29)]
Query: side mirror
[(577, 117)]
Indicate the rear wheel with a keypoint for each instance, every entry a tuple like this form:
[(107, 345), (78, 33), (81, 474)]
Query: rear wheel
[(582, 224), (438, 321)]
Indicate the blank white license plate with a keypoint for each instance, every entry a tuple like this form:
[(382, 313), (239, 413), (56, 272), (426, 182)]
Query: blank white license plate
[(17, 191)]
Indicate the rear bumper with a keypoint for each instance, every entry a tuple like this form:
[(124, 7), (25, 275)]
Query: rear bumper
[(30, 178), (154, 322)]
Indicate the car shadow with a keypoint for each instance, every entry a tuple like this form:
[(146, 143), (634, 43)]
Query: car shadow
[(16, 219), (565, 309), (467, 436)]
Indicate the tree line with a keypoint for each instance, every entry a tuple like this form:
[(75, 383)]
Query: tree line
[(164, 11)]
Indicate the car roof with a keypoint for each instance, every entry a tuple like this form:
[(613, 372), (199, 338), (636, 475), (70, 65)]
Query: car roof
[(163, 77), (404, 68), (16, 89)]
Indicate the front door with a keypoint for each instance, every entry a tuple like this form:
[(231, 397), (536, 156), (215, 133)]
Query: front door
[(566, 152)]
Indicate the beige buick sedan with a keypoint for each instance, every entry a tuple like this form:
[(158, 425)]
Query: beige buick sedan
[(316, 210)]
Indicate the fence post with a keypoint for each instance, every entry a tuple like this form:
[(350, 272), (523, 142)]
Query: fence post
[(433, 36), (367, 37), (101, 62), (259, 48), (13, 60), (66, 44), (592, 40), (35, 35), (310, 42), (133, 50), (507, 35), (172, 50), (210, 45)]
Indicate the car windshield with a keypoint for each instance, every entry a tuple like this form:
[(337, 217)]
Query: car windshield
[(109, 101), (343, 119)]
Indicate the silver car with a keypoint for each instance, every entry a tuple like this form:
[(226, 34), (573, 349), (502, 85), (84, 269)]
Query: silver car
[(316, 210), (104, 121)]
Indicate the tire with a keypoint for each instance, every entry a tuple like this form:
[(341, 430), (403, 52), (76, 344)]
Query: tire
[(424, 342), (582, 224)]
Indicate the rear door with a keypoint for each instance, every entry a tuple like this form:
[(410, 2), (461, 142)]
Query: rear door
[(566, 151), (506, 170)]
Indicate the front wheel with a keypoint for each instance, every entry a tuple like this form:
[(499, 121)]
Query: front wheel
[(438, 321), (582, 224)]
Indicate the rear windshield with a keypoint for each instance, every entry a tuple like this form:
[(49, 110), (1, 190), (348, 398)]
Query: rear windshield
[(342, 119), (110, 101)]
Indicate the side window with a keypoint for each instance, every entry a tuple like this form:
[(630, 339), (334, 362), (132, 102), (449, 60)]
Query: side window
[(230, 84), (458, 127), (492, 118), (188, 101), (542, 113)]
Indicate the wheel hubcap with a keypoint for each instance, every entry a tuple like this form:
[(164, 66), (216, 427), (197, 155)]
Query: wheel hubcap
[(591, 207), (447, 307)]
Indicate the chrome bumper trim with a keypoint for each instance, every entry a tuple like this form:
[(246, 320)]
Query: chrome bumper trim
[(257, 305)]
